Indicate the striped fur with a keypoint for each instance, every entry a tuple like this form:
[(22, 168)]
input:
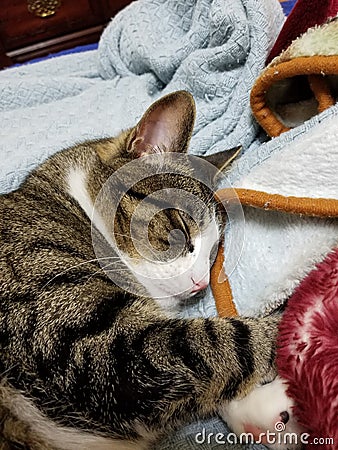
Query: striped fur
[(86, 364)]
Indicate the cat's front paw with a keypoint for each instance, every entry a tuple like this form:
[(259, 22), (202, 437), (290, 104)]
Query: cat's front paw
[(265, 416)]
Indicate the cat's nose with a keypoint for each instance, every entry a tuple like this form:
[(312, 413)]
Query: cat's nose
[(199, 285)]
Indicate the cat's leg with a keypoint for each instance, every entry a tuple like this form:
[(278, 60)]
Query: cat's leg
[(135, 372), (159, 371)]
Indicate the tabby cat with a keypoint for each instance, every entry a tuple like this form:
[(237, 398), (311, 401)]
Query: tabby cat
[(84, 362)]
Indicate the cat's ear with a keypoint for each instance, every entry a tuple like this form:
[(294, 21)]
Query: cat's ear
[(220, 161), (166, 126)]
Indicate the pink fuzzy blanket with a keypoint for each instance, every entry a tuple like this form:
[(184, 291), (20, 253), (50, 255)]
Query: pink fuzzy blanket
[(308, 353)]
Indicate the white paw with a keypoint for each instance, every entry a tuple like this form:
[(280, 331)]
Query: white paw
[(265, 413)]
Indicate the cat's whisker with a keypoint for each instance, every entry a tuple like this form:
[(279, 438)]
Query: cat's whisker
[(76, 266), (8, 370), (104, 268)]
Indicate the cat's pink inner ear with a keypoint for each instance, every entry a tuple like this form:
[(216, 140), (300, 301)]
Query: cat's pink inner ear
[(154, 134), (166, 126)]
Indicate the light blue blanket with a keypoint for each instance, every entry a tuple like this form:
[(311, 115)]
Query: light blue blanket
[(213, 48)]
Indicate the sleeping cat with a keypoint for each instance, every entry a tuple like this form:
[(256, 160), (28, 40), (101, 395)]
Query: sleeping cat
[(85, 362)]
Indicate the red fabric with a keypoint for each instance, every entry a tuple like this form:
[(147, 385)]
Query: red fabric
[(305, 14), (307, 356)]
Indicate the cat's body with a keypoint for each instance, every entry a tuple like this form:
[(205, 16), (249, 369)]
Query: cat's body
[(90, 355)]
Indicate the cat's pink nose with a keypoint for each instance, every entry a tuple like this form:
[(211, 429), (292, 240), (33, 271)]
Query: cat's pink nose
[(199, 285)]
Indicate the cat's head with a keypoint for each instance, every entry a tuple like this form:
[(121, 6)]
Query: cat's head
[(166, 224)]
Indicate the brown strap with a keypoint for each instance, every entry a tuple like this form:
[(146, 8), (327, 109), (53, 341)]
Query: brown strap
[(304, 65), (221, 287), (315, 207), (321, 89)]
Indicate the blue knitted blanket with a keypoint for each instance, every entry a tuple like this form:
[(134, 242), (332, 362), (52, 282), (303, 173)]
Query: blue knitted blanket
[(213, 48)]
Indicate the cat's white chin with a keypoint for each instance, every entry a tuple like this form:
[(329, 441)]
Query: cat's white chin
[(181, 278)]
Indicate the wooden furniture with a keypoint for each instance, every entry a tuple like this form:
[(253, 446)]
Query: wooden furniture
[(34, 28)]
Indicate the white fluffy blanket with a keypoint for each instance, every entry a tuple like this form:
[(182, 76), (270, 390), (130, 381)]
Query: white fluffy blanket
[(280, 249)]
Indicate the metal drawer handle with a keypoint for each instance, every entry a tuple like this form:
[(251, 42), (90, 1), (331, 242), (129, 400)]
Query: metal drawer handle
[(43, 8)]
